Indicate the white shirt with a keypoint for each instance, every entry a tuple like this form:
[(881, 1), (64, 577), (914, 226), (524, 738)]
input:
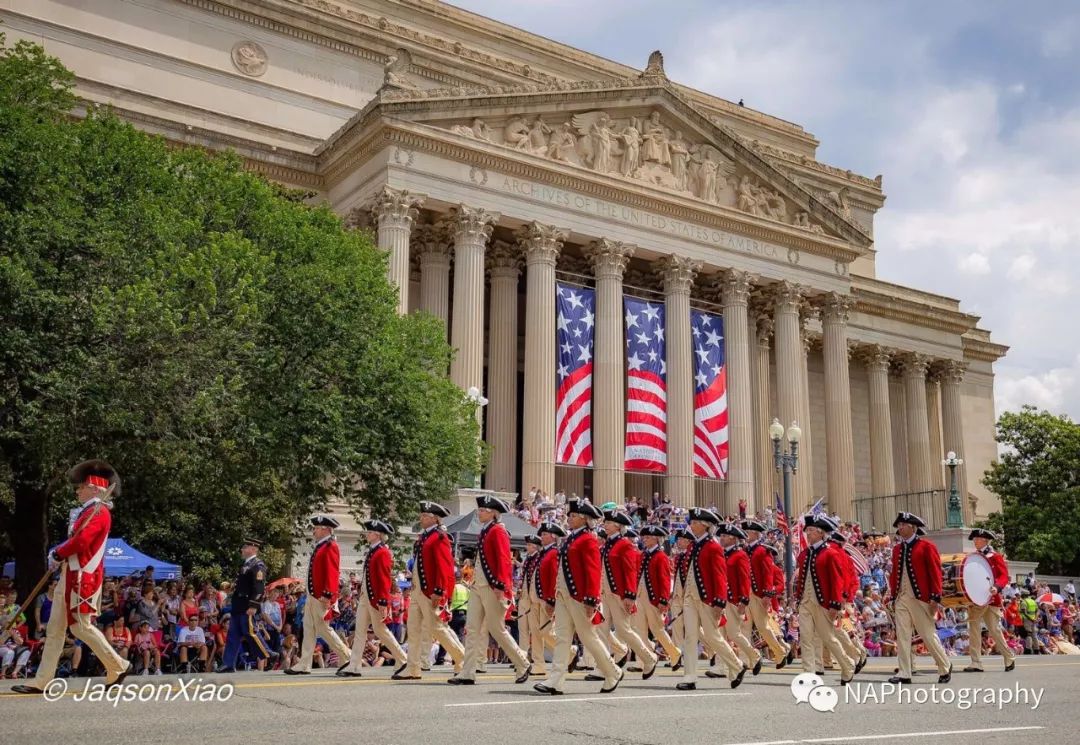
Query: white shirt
[(188, 634)]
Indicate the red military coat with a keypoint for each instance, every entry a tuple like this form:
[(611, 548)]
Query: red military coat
[(738, 575), (579, 560), (379, 575), (493, 556), (83, 555), (547, 573), (682, 567), (1000, 568), (851, 576), (621, 562), (433, 564), (922, 564), (761, 570), (324, 571), (826, 573), (656, 571), (710, 572), (779, 585)]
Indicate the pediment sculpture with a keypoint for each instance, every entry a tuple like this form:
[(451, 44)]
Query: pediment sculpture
[(642, 149)]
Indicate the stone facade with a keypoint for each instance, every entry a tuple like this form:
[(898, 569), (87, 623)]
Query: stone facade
[(486, 177)]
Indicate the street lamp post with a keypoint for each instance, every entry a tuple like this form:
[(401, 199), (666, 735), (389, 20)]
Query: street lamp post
[(477, 398), (955, 518), (786, 461)]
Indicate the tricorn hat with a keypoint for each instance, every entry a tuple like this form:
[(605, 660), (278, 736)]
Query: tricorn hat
[(704, 515), (97, 473), (434, 508), (730, 529), (491, 502), (910, 518), (618, 517), (553, 528), (684, 533), (378, 526), (753, 525), (656, 531), (325, 521), (982, 533), (533, 539), (581, 507)]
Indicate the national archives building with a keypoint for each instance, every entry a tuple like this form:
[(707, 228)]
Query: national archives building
[(495, 166)]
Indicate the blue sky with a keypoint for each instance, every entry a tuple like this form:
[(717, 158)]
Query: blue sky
[(970, 110)]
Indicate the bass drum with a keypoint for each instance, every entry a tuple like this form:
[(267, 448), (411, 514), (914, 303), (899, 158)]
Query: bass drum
[(966, 579)]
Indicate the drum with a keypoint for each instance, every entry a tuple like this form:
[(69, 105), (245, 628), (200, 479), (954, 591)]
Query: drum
[(966, 579)]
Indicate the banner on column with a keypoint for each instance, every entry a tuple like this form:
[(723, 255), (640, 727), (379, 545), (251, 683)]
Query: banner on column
[(646, 387), (710, 395), (575, 309)]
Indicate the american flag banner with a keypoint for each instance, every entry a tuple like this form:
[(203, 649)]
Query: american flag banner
[(781, 516), (646, 386), (575, 320), (710, 395), (817, 509)]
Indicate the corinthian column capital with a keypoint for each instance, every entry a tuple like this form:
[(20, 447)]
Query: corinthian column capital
[(765, 327), (914, 365), (541, 243), (503, 260), (396, 208), (787, 296), (609, 258), (734, 286), (677, 273), (876, 358), (836, 308), (473, 224), (952, 371)]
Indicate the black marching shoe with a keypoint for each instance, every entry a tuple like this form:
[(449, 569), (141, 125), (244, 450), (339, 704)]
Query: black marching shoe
[(942, 679), (790, 656), (624, 660), (574, 661), (861, 664), (594, 678), (226, 670), (1010, 667), (819, 673), (738, 678), (546, 689), (757, 666), (615, 684), (461, 681), (711, 674), (120, 677), (341, 672), (26, 689), (290, 671), (677, 665), (897, 679), (782, 662), (524, 675), (684, 686), (845, 682), (971, 669), (403, 676), (649, 674)]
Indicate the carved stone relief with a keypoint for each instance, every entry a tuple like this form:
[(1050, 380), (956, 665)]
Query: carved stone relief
[(249, 58)]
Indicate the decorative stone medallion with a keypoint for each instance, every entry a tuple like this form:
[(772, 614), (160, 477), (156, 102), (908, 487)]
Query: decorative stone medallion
[(249, 58)]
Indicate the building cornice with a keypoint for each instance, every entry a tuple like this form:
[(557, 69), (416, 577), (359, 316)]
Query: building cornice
[(882, 305), (979, 347)]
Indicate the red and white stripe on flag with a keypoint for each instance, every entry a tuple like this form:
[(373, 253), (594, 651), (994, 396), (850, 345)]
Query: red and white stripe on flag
[(575, 319), (710, 395), (646, 386)]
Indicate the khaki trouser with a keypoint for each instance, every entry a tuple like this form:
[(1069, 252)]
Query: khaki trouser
[(737, 631), (700, 621), (539, 632), (913, 615), (573, 617), (648, 619), (815, 627), (315, 627), (990, 615), (486, 615), (83, 629), (624, 629), (759, 615), (372, 615), (425, 625), (676, 609), (851, 648)]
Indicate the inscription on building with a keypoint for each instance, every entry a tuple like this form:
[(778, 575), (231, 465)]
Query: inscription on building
[(629, 215)]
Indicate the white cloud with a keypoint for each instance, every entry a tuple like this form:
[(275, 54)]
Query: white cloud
[(1021, 267), (974, 263), (1053, 389)]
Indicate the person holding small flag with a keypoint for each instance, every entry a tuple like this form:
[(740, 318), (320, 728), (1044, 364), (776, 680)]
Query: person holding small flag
[(323, 586)]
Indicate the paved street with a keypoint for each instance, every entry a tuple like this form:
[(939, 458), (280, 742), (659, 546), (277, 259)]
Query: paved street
[(375, 710)]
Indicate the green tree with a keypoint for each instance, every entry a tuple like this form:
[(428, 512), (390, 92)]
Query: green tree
[(235, 353), (1037, 478)]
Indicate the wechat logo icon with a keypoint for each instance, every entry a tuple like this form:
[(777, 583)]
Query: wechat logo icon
[(811, 689)]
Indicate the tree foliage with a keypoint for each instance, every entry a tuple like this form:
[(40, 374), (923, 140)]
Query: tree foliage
[(1037, 478), (234, 352)]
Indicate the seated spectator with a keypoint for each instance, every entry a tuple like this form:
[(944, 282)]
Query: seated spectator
[(145, 645), (191, 641), (14, 654), (145, 610), (119, 636), (290, 652)]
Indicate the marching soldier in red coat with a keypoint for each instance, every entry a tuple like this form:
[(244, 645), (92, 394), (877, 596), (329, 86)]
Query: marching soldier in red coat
[(990, 614), (915, 591), (529, 568), (739, 628), (852, 649), (323, 588), (539, 587), (76, 599), (492, 593), (820, 587), (704, 600), (654, 592), (762, 592), (432, 586), (577, 601), (621, 561), (680, 569), (373, 604)]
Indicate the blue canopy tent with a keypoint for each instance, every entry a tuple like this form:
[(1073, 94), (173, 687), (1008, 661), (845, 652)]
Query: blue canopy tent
[(121, 560)]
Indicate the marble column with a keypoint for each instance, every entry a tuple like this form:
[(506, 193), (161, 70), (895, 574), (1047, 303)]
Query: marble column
[(395, 210), (839, 444), (504, 268), (952, 375), (472, 229), (933, 421), (433, 245), (609, 259), (764, 468), (920, 477), (787, 298), (883, 482), (541, 245), (806, 458), (735, 293), (678, 276)]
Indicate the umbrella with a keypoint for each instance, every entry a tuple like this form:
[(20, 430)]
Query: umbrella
[(283, 581), (1051, 597), (944, 634)]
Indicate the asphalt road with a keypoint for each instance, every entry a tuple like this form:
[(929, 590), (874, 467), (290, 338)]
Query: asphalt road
[(267, 707)]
